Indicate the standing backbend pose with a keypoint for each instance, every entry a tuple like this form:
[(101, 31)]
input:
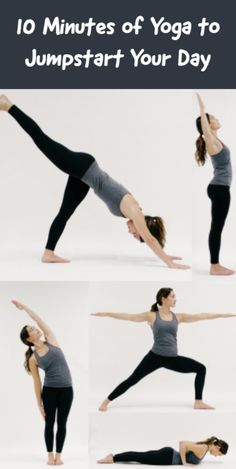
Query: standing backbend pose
[(164, 353), (189, 454), (55, 398), (84, 173), (219, 188)]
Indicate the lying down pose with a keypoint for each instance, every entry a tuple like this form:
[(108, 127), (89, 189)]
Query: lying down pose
[(189, 454), (84, 173)]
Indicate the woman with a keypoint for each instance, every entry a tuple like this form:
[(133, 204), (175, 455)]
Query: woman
[(57, 394), (164, 353), (189, 454), (219, 188), (84, 173)]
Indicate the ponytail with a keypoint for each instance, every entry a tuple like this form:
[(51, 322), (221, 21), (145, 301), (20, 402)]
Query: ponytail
[(201, 152), (24, 337), (162, 293), (213, 440)]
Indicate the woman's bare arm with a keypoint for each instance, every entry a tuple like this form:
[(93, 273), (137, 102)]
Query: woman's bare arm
[(198, 449), (183, 317), (37, 383), (140, 317), (212, 143), (48, 334)]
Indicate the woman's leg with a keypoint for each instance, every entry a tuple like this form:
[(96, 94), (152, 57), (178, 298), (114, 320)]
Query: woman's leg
[(49, 398), (65, 398), (161, 457), (75, 192), (150, 363), (188, 365), (220, 202), (72, 163)]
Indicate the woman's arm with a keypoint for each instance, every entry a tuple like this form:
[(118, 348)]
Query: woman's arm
[(212, 143), (139, 221), (198, 449), (140, 317), (183, 317), (48, 334), (37, 384)]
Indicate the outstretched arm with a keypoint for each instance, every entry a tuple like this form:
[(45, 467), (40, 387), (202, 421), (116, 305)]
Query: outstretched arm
[(183, 317), (48, 334), (212, 142), (141, 317), (138, 219)]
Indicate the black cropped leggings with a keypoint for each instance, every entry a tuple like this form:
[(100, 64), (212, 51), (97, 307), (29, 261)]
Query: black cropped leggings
[(57, 403), (220, 202), (160, 457), (152, 362), (73, 163)]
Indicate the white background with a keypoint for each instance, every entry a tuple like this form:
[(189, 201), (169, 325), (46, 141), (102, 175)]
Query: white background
[(221, 104), (64, 308), (116, 347), (144, 139)]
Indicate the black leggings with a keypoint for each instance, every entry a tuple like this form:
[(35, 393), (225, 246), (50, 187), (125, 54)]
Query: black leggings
[(161, 457), (152, 362), (56, 401), (220, 202), (73, 163)]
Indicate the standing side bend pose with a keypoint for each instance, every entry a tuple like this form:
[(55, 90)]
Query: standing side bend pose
[(84, 173), (164, 353), (55, 398), (219, 188), (189, 454)]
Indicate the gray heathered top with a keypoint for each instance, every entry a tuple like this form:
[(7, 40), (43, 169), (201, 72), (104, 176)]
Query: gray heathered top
[(57, 373), (191, 458), (110, 191), (222, 167), (165, 336)]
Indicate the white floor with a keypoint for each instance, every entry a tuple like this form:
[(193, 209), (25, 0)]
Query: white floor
[(201, 267), (97, 263), (15, 457)]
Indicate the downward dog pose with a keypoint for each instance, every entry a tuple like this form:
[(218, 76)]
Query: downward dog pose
[(189, 454), (164, 353), (219, 188), (55, 398), (84, 173)]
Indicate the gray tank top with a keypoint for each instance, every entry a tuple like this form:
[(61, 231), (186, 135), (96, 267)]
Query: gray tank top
[(165, 336), (57, 373), (191, 458), (222, 167), (110, 191)]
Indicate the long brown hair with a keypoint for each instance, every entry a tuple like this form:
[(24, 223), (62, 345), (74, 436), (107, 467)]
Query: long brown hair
[(201, 152), (213, 440), (163, 292), (24, 336), (157, 229)]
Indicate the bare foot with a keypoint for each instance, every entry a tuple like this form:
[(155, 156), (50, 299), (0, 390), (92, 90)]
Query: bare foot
[(217, 269), (107, 460), (57, 460), (49, 257), (50, 461), (104, 405), (202, 405), (5, 103)]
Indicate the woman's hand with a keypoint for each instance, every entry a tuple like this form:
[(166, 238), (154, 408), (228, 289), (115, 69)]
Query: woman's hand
[(102, 315), (174, 265), (200, 102), (42, 411), (18, 304)]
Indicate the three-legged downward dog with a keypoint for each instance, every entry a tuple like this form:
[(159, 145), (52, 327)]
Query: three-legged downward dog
[(164, 353), (190, 453), (84, 173), (55, 398)]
